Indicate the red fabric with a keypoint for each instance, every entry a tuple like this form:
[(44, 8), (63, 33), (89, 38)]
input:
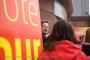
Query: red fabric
[(88, 58), (64, 50)]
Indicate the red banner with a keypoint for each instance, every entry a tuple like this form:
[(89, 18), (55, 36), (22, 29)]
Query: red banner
[(20, 30)]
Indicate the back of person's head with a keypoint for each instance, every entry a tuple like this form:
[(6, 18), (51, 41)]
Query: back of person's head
[(62, 30), (87, 39)]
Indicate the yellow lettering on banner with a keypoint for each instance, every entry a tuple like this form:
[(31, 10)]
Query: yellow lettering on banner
[(36, 44), (24, 12), (28, 49), (6, 13), (32, 13), (18, 49), (7, 48)]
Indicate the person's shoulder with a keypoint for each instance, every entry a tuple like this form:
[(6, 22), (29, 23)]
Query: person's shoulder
[(87, 44)]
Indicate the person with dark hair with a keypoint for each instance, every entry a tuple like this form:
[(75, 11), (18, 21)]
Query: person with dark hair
[(87, 39), (45, 29), (86, 45), (62, 44)]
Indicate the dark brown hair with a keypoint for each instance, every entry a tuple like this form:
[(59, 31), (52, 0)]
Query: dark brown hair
[(44, 21), (62, 30), (87, 39)]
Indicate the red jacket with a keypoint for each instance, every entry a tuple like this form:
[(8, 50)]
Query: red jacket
[(64, 50)]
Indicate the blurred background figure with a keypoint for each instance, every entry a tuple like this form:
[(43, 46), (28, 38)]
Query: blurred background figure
[(87, 39), (82, 39), (45, 30), (86, 45)]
